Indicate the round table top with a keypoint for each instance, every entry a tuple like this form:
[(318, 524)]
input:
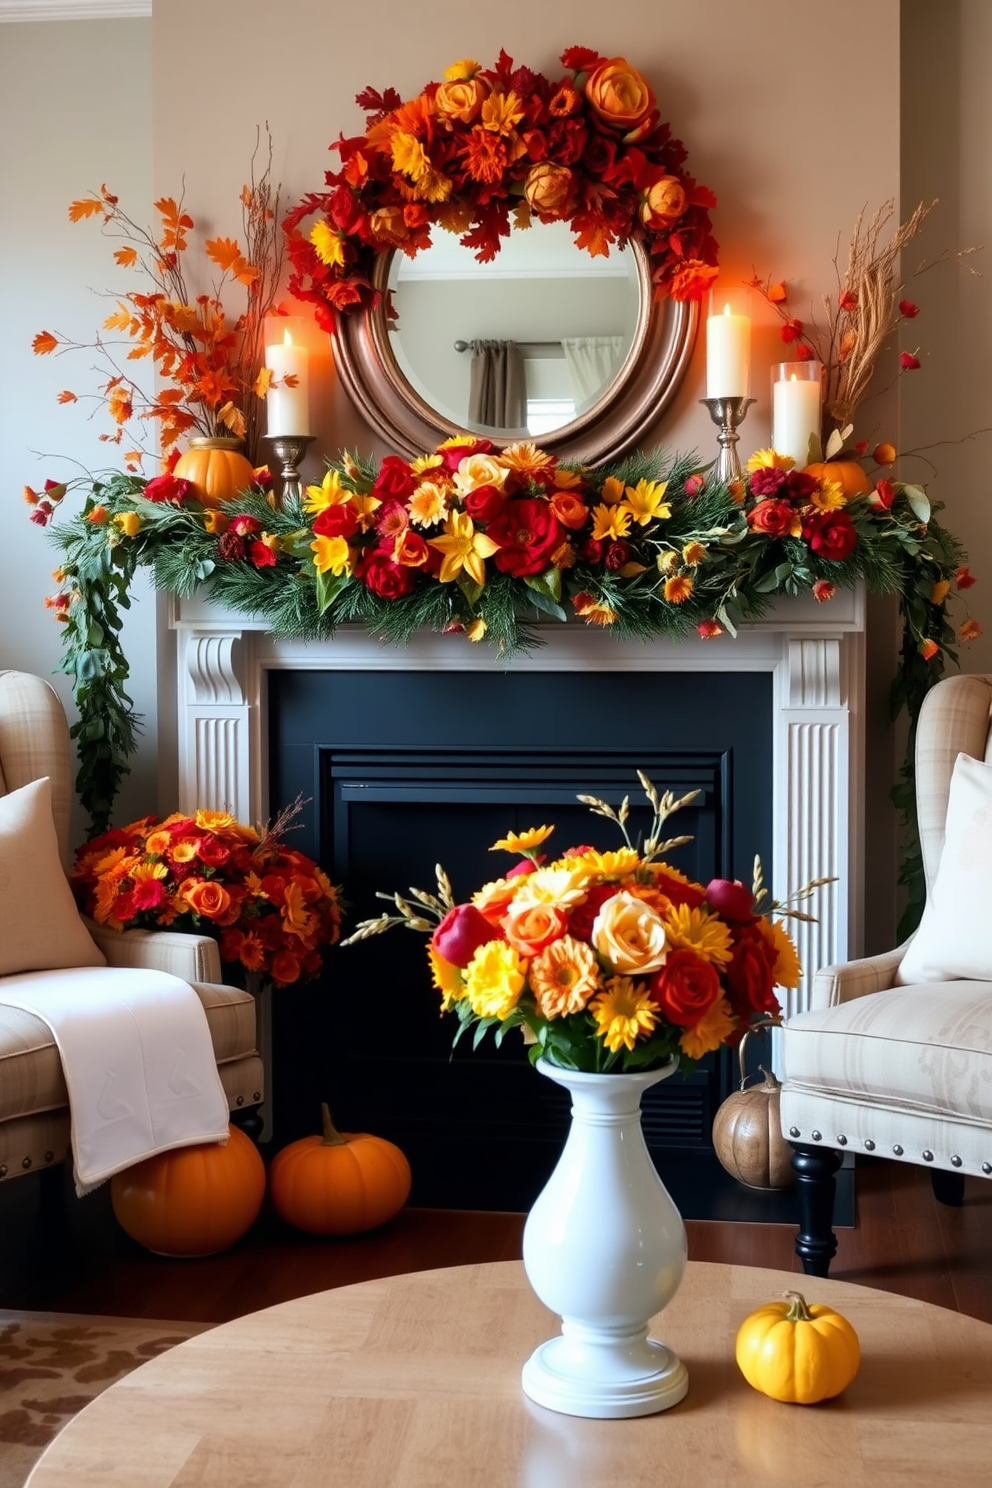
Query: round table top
[(415, 1380)]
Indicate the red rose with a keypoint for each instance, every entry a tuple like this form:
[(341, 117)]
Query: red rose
[(685, 988), (749, 978), (581, 919), (767, 481), (262, 555), (455, 453), (730, 898), (460, 934), (285, 968), (524, 868), (831, 535), (345, 211), (384, 577), (243, 524), (773, 517), (617, 554), (167, 488), (336, 521), (800, 486), (528, 533), (599, 154), (484, 503), (677, 892), (593, 550), (394, 481)]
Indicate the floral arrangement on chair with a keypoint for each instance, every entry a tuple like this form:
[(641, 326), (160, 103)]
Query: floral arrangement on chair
[(490, 148), (271, 908), (605, 960)]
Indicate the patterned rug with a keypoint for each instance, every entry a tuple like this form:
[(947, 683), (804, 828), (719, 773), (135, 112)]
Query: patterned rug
[(52, 1364)]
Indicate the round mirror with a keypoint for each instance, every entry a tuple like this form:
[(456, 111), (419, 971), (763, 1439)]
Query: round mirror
[(545, 342)]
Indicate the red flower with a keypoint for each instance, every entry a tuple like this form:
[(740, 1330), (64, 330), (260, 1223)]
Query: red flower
[(528, 533), (773, 517), (791, 330), (709, 630), (685, 988), (678, 891), (730, 898), (384, 577), (695, 484), (461, 933), (242, 525), (336, 521), (908, 310), (618, 554), (750, 978), (395, 480), (455, 453), (262, 555), (580, 921), (964, 578), (231, 547), (484, 503), (823, 590), (767, 481), (831, 535), (804, 353), (883, 495), (847, 300), (167, 488), (391, 521), (908, 361)]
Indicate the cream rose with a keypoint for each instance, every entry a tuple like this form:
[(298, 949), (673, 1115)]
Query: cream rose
[(479, 470), (461, 99), (630, 935)]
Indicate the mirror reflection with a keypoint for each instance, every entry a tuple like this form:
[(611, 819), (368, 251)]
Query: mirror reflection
[(520, 346)]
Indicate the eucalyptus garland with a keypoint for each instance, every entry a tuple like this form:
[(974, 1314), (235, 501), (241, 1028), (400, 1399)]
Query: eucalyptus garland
[(495, 544)]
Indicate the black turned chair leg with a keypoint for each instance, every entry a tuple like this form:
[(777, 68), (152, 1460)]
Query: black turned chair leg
[(815, 1169), (948, 1188), (249, 1120)]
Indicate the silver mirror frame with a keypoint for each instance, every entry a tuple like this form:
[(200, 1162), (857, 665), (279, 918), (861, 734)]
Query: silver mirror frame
[(660, 352)]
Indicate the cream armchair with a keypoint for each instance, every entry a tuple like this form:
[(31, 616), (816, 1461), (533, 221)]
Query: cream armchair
[(890, 1061), (34, 1115)]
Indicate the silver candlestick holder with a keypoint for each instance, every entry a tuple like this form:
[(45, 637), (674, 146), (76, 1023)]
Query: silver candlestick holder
[(290, 450), (728, 414)]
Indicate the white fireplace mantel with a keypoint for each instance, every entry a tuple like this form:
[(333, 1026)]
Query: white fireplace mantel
[(815, 654)]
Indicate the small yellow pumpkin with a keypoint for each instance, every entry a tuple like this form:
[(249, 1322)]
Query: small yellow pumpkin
[(848, 474), (797, 1352), (216, 469)]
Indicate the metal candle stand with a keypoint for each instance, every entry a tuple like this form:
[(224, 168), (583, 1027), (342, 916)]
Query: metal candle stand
[(290, 450), (728, 414)]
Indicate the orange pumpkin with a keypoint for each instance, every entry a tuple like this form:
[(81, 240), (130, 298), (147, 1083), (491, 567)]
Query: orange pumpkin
[(339, 1183), (216, 469), (847, 473), (193, 1201)]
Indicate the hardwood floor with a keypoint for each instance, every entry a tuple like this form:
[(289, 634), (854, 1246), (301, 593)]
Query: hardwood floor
[(904, 1241)]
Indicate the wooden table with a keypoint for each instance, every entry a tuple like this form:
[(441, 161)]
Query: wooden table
[(414, 1381)]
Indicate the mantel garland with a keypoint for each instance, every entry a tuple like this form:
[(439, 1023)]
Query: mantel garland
[(484, 543), (489, 149)]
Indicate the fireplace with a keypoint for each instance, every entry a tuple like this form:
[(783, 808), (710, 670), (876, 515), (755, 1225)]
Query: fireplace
[(768, 727)]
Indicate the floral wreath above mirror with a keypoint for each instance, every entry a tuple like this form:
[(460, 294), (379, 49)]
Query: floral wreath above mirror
[(487, 150)]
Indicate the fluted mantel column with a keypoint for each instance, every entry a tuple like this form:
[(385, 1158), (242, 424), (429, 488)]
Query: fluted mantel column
[(214, 722)]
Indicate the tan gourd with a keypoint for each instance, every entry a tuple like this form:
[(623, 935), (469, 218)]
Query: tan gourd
[(747, 1133)]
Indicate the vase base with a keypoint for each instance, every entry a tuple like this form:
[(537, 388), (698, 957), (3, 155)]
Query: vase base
[(641, 1383)]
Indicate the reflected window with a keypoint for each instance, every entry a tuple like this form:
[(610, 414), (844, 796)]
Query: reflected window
[(546, 414)]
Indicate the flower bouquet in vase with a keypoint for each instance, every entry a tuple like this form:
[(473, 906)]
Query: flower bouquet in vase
[(615, 967)]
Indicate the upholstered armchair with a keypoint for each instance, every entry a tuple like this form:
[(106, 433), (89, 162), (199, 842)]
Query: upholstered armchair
[(894, 1057), (34, 1115)]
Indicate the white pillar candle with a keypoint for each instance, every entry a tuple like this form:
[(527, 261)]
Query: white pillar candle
[(287, 407), (728, 355), (795, 415)]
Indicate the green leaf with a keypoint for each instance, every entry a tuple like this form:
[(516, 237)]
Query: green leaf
[(919, 502), (471, 590), (544, 593), (774, 580), (328, 588)]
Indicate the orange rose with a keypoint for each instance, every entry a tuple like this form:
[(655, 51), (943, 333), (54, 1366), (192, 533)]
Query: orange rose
[(548, 189), (663, 203), (206, 897), (620, 95), (531, 928), (570, 511), (460, 100)]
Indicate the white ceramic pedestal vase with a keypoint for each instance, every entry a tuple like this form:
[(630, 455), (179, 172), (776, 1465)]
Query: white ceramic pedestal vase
[(604, 1247)]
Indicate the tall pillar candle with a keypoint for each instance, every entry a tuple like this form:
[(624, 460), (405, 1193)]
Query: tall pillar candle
[(287, 406), (728, 346), (796, 393)]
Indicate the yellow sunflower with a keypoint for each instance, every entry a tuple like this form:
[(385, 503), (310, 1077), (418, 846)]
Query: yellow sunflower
[(447, 979), (712, 1030), (623, 1012), (494, 979), (769, 459), (701, 932), (608, 865), (788, 971), (522, 842)]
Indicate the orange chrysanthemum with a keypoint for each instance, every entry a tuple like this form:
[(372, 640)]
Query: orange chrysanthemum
[(564, 978)]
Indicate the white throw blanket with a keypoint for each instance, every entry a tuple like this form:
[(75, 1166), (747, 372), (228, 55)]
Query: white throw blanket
[(138, 1062)]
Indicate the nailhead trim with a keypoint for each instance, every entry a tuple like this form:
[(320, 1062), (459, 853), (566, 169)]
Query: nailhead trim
[(49, 1156), (869, 1144), (3, 1170), (240, 1101), (842, 1141), (25, 1163), (257, 1095), (817, 1136), (986, 1169), (927, 1155), (955, 1161), (794, 1131), (897, 1150)]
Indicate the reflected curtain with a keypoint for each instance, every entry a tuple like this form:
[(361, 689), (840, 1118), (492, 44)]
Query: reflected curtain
[(592, 364), (497, 388)]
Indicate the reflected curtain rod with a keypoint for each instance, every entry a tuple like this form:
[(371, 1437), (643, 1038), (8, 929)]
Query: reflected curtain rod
[(467, 345)]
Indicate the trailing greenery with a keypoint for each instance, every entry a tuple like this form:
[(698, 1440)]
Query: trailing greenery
[(736, 570)]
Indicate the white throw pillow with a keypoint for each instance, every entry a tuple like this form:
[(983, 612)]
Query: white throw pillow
[(954, 941), (40, 928)]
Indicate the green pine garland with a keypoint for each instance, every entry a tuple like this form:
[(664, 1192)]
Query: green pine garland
[(902, 551)]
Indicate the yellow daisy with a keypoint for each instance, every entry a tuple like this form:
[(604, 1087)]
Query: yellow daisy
[(214, 821), (612, 492), (615, 864), (494, 979), (425, 462), (768, 459), (328, 243), (646, 502), (623, 1012), (712, 1030), (564, 977), (521, 842), (428, 504), (329, 493), (610, 522), (447, 979), (788, 971), (561, 887), (701, 932), (829, 497), (525, 457)]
